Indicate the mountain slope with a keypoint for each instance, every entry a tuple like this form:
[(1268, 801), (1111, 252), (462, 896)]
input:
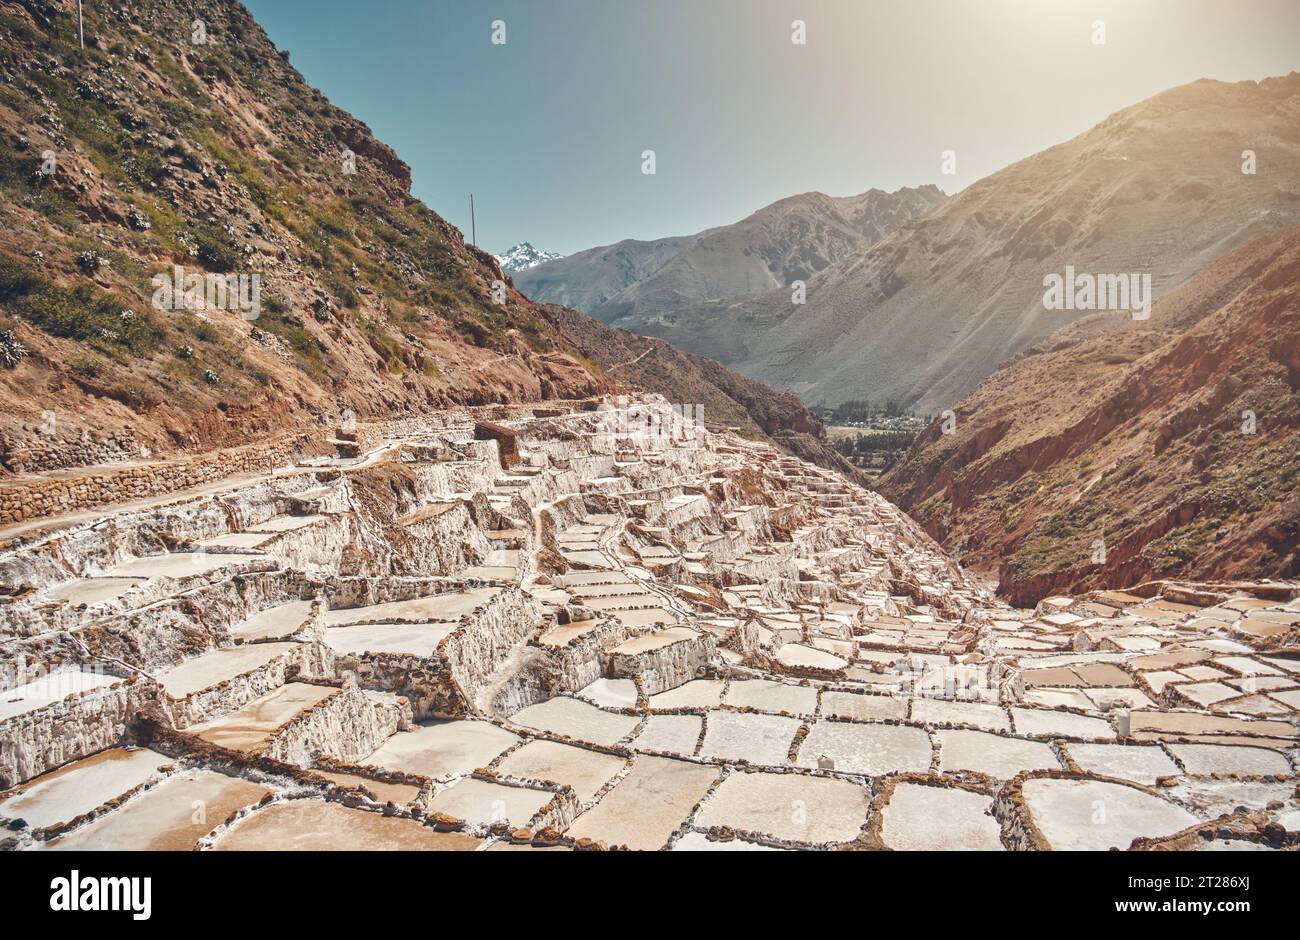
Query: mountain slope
[(220, 159), (1136, 437), (789, 240), (925, 314), (589, 279)]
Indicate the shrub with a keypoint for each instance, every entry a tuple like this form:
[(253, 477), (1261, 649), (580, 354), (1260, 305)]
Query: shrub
[(86, 368), (16, 280), (213, 250), (88, 314)]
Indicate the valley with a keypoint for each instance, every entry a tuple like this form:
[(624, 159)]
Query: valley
[(852, 525)]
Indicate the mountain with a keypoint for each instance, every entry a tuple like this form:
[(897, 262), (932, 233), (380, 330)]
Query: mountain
[(787, 241), (524, 256), (922, 316), (147, 161), (1173, 442), (587, 280)]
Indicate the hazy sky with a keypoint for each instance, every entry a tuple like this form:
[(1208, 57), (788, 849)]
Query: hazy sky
[(547, 130)]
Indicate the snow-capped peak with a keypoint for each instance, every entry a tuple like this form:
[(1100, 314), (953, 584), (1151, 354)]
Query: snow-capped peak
[(524, 256)]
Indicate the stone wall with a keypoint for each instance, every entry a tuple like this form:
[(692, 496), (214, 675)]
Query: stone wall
[(77, 726), (348, 725), (152, 637), (423, 681), (318, 545), (488, 636), (547, 671), (43, 451), (666, 667), (348, 592), (29, 617), (27, 499), (507, 441), (233, 694)]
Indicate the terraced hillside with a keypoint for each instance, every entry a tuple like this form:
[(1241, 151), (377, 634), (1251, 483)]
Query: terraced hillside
[(602, 626)]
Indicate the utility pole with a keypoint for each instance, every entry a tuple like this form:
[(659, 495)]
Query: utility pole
[(81, 32), (473, 230)]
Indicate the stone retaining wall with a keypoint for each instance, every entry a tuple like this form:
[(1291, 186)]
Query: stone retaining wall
[(233, 694), (348, 725), (24, 500), (102, 483), (488, 636), (42, 451), (423, 681), (666, 667), (346, 593), (77, 726)]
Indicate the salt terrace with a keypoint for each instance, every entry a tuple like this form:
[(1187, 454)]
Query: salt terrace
[(522, 628)]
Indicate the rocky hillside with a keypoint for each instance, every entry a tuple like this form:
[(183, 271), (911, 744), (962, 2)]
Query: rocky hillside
[(1173, 442), (789, 240), (180, 145), (587, 280), (924, 315)]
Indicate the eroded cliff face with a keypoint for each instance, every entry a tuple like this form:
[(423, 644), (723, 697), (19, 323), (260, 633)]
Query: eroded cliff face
[(447, 637)]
